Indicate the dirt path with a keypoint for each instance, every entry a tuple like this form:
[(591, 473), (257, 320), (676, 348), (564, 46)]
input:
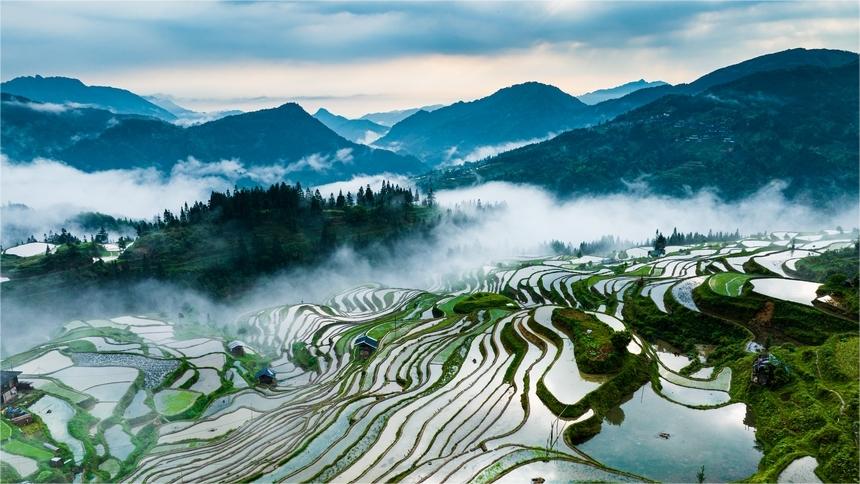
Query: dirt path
[(841, 400)]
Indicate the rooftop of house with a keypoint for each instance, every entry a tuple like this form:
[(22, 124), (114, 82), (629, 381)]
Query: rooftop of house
[(7, 376), (268, 372), (368, 341)]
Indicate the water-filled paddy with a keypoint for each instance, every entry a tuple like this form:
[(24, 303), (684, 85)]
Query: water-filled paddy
[(801, 292), (800, 470), (56, 414), (716, 438)]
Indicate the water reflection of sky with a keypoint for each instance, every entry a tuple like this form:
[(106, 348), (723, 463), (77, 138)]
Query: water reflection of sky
[(716, 438)]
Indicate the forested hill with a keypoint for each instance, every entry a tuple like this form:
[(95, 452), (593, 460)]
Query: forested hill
[(285, 141), (798, 125), (222, 246), (516, 113)]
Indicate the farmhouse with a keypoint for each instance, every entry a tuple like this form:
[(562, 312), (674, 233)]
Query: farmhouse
[(366, 346), (9, 386), (266, 376), (763, 371), (236, 348)]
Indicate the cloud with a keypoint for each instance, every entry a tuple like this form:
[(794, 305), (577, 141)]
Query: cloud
[(250, 54), (319, 162), (52, 108), (483, 152), (375, 182), (533, 216), (60, 191), (524, 219)]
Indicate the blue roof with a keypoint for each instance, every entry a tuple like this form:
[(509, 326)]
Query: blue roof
[(367, 340), (265, 372)]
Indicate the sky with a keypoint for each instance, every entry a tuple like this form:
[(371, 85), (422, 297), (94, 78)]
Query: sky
[(358, 57)]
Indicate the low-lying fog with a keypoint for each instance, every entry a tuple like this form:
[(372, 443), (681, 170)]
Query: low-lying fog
[(530, 218)]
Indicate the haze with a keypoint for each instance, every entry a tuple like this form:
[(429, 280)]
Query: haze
[(249, 55)]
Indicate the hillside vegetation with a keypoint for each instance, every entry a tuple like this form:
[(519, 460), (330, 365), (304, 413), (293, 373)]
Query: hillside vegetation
[(735, 137)]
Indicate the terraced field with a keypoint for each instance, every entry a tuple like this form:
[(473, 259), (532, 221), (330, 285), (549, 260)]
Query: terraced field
[(459, 389), (728, 283)]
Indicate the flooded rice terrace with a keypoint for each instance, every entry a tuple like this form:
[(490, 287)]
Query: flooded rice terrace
[(474, 380)]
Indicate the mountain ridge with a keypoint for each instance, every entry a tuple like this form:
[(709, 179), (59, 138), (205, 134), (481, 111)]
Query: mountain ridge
[(522, 111), (361, 131), (66, 90), (600, 95), (300, 146), (780, 123)]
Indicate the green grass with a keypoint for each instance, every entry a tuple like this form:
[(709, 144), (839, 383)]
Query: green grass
[(448, 307), (5, 431), (806, 415), (515, 345), (642, 271), (303, 358), (173, 402), (20, 448), (787, 322), (67, 394), (592, 340), (728, 283), (484, 300)]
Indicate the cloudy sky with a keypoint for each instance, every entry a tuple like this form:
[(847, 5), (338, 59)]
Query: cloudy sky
[(359, 57)]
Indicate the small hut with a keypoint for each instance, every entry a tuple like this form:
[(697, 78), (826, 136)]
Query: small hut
[(764, 369), (366, 346), (8, 386), (266, 376), (236, 348)]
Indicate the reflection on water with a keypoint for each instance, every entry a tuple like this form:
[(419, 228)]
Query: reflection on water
[(716, 438)]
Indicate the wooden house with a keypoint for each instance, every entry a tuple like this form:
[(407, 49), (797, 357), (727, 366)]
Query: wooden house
[(236, 348), (266, 376), (8, 386), (366, 346)]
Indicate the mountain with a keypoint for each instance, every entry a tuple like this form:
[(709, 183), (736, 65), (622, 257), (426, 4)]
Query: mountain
[(601, 95), (390, 118), (165, 102), (779, 60), (65, 90), (361, 131), (798, 125), (31, 129), (519, 113), (285, 142), (186, 116)]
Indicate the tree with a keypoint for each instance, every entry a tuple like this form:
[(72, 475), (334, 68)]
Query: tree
[(430, 201), (102, 236), (660, 244), (620, 340), (700, 476)]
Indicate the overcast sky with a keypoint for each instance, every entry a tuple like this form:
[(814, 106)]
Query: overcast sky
[(359, 57)]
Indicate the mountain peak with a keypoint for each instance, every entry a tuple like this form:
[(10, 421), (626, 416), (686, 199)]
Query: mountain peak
[(601, 95), (65, 90)]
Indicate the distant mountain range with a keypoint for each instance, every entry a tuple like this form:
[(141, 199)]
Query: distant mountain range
[(761, 113), (520, 112), (357, 130), (532, 111), (67, 91), (739, 129), (287, 140), (390, 118), (186, 116), (601, 95)]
